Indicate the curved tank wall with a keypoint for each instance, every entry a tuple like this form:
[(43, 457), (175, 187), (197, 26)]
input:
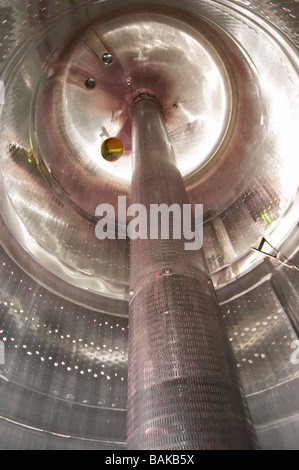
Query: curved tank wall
[(232, 117)]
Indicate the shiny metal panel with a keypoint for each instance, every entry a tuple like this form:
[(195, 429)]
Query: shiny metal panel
[(261, 335), (65, 371), (256, 192)]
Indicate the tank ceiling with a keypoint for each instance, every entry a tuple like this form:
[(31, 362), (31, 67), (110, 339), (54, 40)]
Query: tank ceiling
[(226, 75)]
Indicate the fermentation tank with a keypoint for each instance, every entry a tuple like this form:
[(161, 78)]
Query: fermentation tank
[(114, 343)]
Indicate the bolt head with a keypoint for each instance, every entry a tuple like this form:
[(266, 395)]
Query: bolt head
[(90, 83), (107, 58)]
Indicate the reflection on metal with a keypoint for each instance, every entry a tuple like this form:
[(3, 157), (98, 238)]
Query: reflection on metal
[(226, 74)]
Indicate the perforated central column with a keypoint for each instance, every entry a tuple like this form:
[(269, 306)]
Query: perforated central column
[(184, 391)]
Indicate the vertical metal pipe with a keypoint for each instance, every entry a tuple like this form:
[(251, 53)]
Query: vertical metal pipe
[(184, 391)]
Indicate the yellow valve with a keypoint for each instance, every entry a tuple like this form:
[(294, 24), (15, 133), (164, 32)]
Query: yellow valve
[(112, 149)]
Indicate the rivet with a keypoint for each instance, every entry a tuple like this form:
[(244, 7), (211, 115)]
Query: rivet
[(90, 83), (107, 58)]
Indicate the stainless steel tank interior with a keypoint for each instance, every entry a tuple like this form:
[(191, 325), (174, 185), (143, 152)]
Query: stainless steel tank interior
[(226, 75)]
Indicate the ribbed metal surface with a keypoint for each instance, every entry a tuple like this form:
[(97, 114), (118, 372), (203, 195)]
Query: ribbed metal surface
[(64, 381), (72, 400), (262, 335), (183, 388)]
